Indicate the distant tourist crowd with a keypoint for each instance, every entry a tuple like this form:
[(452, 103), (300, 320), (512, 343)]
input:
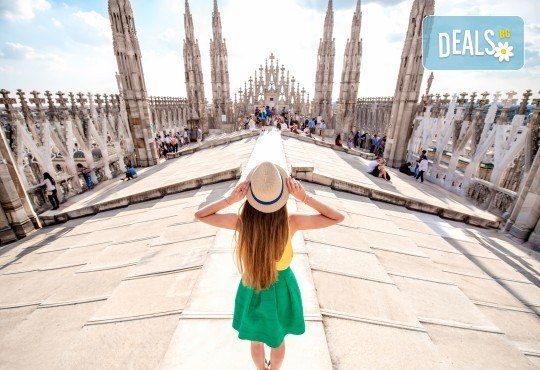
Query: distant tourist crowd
[(171, 143)]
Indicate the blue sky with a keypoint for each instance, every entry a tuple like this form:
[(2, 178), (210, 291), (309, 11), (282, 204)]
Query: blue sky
[(66, 45)]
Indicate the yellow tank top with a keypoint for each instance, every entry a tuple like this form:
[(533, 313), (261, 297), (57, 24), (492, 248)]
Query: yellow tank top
[(286, 257)]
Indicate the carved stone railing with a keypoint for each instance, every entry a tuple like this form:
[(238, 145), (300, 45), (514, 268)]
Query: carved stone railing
[(373, 114), (54, 134), (64, 189), (477, 148), (493, 198)]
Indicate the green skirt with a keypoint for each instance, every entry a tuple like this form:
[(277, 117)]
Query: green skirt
[(271, 314)]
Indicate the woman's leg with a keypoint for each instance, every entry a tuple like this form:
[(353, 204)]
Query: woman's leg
[(257, 354), (421, 175), (276, 356), (51, 200), (55, 197)]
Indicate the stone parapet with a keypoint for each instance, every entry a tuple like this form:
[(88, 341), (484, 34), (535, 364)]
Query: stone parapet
[(214, 141), (225, 175), (330, 145), (307, 172)]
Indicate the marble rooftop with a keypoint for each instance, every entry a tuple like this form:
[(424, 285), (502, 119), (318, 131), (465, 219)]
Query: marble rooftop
[(131, 280)]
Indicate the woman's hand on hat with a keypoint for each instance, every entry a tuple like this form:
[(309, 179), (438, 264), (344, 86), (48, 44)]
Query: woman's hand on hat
[(296, 189), (238, 193)]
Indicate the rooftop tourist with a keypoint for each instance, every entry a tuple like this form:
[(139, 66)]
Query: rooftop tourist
[(338, 140), (51, 191), (268, 303)]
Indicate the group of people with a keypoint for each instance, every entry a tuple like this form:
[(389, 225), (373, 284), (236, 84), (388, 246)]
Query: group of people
[(377, 167), (310, 126), (357, 140), (349, 142), (172, 142), (421, 167), (267, 116), (375, 144), (282, 121)]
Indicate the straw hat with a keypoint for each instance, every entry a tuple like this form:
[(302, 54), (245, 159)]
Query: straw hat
[(268, 191)]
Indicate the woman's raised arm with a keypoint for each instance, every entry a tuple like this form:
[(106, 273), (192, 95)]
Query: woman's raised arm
[(327, 216), (209, 214)]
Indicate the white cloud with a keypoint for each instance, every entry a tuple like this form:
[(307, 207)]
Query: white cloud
[(6, 70), (56, 23), (92, 24), (163, 73), (22, 9), (171, 35), (14, 50)]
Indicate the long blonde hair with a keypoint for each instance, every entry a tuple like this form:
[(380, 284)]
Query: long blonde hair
[(260, 241)]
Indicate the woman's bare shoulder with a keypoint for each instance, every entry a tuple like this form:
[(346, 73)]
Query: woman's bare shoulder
[(293, 221)]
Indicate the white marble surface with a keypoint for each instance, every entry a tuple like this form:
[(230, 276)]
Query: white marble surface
[(388, 288)]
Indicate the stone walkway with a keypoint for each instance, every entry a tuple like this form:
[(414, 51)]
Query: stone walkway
[(147, 286)]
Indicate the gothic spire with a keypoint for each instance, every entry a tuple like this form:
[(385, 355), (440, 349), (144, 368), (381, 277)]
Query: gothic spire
[(328, 23), (221, 96), (350, 75), (216, 22), (188, 23), (324, 78), (408, 84), (356, 22), (193, 73), (131, 78)]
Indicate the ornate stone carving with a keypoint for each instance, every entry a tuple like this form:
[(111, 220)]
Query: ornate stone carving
[(62, 142)]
